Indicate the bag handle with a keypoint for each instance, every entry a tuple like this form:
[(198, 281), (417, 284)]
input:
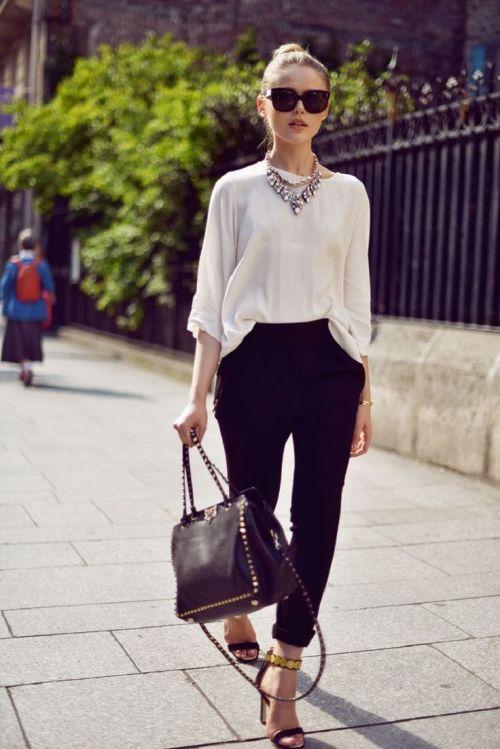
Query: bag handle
[(305, 594), (186, 478)]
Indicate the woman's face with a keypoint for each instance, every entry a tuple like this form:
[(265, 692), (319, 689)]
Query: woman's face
[(301, 78)]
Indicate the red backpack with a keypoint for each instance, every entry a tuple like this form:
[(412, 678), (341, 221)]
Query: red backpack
[(28, 281)]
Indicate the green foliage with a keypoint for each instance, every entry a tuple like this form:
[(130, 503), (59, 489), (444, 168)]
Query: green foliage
[(129, 141), (359, 94)]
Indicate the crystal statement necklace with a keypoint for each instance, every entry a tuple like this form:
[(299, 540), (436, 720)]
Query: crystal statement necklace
[(281, 185)]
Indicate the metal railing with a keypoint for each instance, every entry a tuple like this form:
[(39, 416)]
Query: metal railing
[(433, 180)]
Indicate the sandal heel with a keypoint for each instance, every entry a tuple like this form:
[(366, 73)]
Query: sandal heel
[(294, 665), (263, 709)]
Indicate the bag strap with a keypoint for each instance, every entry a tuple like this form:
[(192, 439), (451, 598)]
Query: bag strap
[(186, 478), (304, 592), (16, 260)]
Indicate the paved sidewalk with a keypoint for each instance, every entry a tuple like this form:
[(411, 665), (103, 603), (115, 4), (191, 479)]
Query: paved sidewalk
[(91, 653)]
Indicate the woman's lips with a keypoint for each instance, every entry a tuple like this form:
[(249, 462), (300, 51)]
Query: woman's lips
[(296, 126)]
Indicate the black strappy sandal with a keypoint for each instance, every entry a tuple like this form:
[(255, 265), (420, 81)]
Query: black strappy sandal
[(292, 664), (247, 645)]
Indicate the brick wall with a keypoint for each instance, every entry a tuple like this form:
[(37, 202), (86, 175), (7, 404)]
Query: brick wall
[(430, 33)]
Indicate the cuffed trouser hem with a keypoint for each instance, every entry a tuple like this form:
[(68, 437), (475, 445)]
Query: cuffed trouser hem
[(291, 638)]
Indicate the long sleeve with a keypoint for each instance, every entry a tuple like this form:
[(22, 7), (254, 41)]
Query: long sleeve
[(216, 263), (357, 291), (47, 277), (7, 281)]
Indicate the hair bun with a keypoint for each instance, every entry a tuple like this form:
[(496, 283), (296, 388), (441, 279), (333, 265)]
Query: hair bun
[(289, 47)]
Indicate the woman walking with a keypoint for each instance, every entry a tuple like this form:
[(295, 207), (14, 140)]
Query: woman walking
[(25, 278), (283, 300)]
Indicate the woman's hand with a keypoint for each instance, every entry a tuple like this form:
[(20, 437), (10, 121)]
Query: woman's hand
[(362, 432), (194, 416)]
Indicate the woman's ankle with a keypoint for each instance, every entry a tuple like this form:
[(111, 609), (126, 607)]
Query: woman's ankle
[(286, 650)]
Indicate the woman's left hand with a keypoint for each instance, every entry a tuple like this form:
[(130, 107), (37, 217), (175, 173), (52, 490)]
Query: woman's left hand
[(362, 432)]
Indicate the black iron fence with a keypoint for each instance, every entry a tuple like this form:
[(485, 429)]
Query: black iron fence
[(433, 179)]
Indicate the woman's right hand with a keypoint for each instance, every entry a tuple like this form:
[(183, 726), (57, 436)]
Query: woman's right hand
[(194, 415)]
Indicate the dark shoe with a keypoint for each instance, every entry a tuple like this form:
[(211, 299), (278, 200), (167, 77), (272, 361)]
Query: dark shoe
[(28, 378), (247, 645), (292, 664), (243, 644)]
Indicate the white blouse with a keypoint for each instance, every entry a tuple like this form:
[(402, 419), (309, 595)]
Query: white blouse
[(261, 262)]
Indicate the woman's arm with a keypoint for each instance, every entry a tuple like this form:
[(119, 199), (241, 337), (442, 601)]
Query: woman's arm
[(357, 301), (7, 281), (216, 263), (47, 279)]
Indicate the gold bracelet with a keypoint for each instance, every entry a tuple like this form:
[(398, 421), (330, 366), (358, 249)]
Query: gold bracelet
[(365, 403)]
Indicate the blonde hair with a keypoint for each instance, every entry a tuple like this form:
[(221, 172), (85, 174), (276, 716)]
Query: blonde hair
[(26, 240), (290, 53)]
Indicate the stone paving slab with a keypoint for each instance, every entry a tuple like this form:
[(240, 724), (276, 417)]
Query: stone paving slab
[(11, 736), (4, 631), (459, 557), (95, 584), (380, 519), (480, 657), (24, 660), (92, 617), (15, 516), (132, 511), (371, 565), (25, 481), (76, 495), (20, 556), (451, 530), (84, 513), (358, 689), (78, 532), (124, 550), (145, 711), (378, 628), (28, 499), (479, 617), (155, 649), (395, 592), (473, 730), (361, 537), (14, 461)]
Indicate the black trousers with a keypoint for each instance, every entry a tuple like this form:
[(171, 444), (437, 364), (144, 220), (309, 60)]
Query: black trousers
[(292, 379)]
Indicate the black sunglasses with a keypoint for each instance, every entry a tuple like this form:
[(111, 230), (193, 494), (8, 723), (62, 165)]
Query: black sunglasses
[(285, 99)]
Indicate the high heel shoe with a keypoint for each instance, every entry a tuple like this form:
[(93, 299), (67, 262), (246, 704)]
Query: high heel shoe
[(244, 645), (247, 645), (292, 664)]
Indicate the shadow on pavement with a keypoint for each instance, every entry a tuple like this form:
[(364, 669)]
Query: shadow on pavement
[(39, 384)]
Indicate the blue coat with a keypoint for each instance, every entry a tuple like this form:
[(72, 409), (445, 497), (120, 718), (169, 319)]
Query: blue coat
[(13, 308)]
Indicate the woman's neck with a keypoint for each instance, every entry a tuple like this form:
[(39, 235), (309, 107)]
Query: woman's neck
[(300, 163)]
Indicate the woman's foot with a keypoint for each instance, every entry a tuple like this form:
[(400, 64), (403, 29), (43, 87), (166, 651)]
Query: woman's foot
[(280, 715), (239, 629)]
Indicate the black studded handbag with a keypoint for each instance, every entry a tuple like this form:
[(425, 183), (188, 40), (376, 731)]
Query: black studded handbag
[(231, 558)]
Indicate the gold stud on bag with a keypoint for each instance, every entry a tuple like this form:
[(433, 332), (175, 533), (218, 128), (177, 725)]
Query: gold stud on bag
[(231, 559)]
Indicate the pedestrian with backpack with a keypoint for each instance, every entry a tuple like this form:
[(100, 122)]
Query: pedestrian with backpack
[(27, 289)]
